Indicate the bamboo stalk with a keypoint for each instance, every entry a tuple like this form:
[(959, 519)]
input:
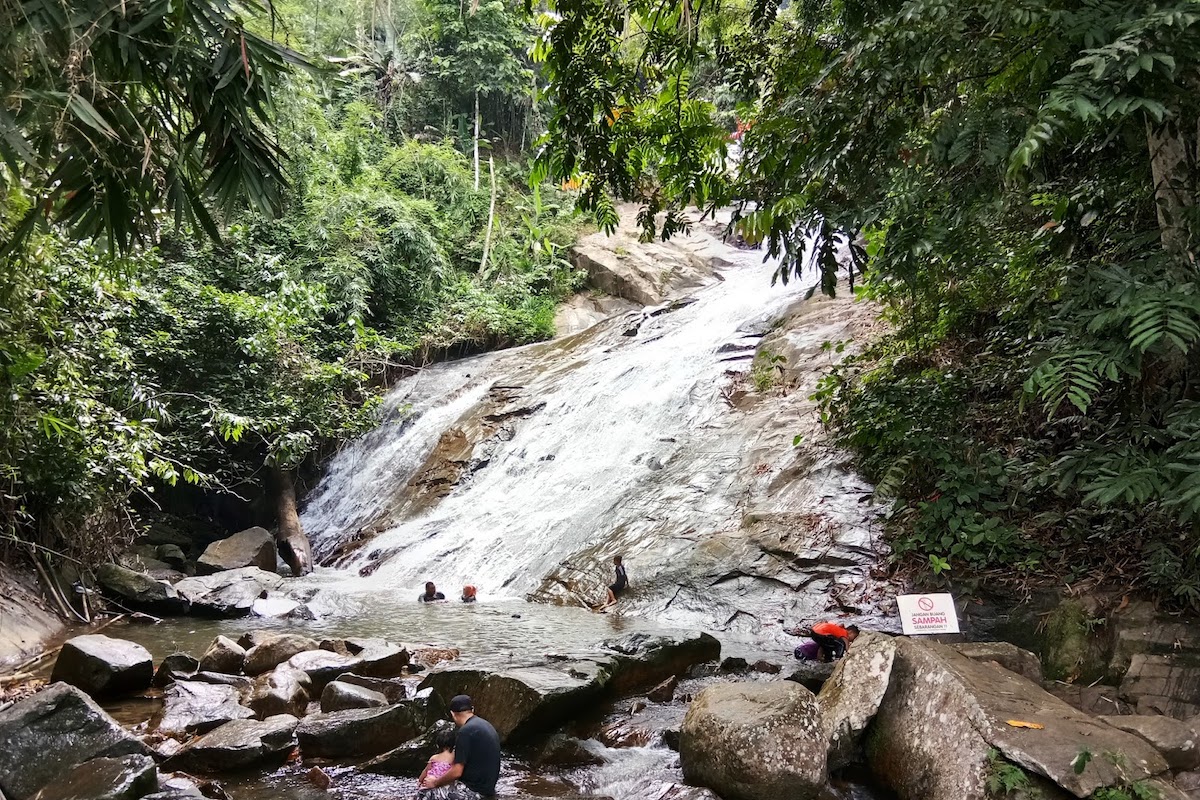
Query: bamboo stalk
[(487, 241)]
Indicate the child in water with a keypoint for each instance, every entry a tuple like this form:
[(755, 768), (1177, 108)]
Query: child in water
[(439, 764)]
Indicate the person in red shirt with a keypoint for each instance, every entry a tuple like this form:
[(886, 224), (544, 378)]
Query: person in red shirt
[(833, 639)]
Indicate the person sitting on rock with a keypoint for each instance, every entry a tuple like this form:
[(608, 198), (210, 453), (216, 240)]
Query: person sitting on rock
[(833, 639), (468, 595), (431, 594), (440, 763), (618, 586)]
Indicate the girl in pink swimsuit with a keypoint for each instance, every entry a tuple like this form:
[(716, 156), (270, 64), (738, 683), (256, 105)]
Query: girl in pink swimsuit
[(439, 764)]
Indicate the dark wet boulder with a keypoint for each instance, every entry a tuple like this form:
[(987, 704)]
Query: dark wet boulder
[(271, 651), (173, 556), (253, 547), (411, 757), (227, 594), (643, 659), (103, 666), (755, 741), (49, 733), (237, 745), (223, 655), (378, 658), (140, 590), (393, 690), (194, 707), (525, 700), (357, 731), (664, 692), (339, 696), (240, 682), (283, 690), (322, 666), (120, 778), (175, 667), (561, 750)]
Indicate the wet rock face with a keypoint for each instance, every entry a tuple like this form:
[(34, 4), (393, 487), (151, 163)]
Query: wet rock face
[(194, 707), (32, 731), (177, 666), (227, 594), (322, 666), (411, 756), (1007, 655), (104, 666), (751, 741), (393, 691), (525, 700), (238, 745), (123, 778), (644, 660), (1163, 684), (253, 547)]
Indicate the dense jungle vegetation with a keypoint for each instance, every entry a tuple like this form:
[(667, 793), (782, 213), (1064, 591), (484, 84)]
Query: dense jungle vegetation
[(226, 227), (1015, 183)]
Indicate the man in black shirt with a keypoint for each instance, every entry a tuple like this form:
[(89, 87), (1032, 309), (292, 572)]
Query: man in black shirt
[(476, 757), (431, 594)]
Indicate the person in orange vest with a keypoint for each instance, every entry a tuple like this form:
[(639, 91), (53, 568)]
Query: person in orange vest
[(832, 639)]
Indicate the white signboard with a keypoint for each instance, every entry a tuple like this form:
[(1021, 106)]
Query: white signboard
[(927, 613)]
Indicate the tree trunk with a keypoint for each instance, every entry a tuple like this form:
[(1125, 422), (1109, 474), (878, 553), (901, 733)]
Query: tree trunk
[(1172, 167), (487, 241), (477, 141), (289, 536)]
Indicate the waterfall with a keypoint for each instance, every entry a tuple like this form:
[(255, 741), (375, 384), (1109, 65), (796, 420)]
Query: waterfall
[(523, 472)]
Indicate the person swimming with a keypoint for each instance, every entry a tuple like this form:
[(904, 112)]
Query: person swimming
[(431, 594)]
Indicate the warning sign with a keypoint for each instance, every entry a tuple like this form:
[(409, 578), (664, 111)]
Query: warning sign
[(927, 613)]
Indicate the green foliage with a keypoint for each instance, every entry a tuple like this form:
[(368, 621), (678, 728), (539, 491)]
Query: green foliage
[(111, 115), (1005, 779), (767, 370)]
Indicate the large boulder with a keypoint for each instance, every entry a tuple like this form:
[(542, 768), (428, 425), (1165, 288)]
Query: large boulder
[(284, 690), (644, 660), (378, 658), (273, 651), (223, 655), (644, 272), (194, 707), (940, 702), (322, 666), (139, 590), (755, 741), (103, 666), (175, 667), (1177, 741), (525, 700), (237, 745), (339, 696), (120, 778), (357, 731), (49, 733), (851, 696), (227, 594), (253, 547)]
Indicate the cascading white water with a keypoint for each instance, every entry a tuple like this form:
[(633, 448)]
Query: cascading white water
[(625, 439)]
